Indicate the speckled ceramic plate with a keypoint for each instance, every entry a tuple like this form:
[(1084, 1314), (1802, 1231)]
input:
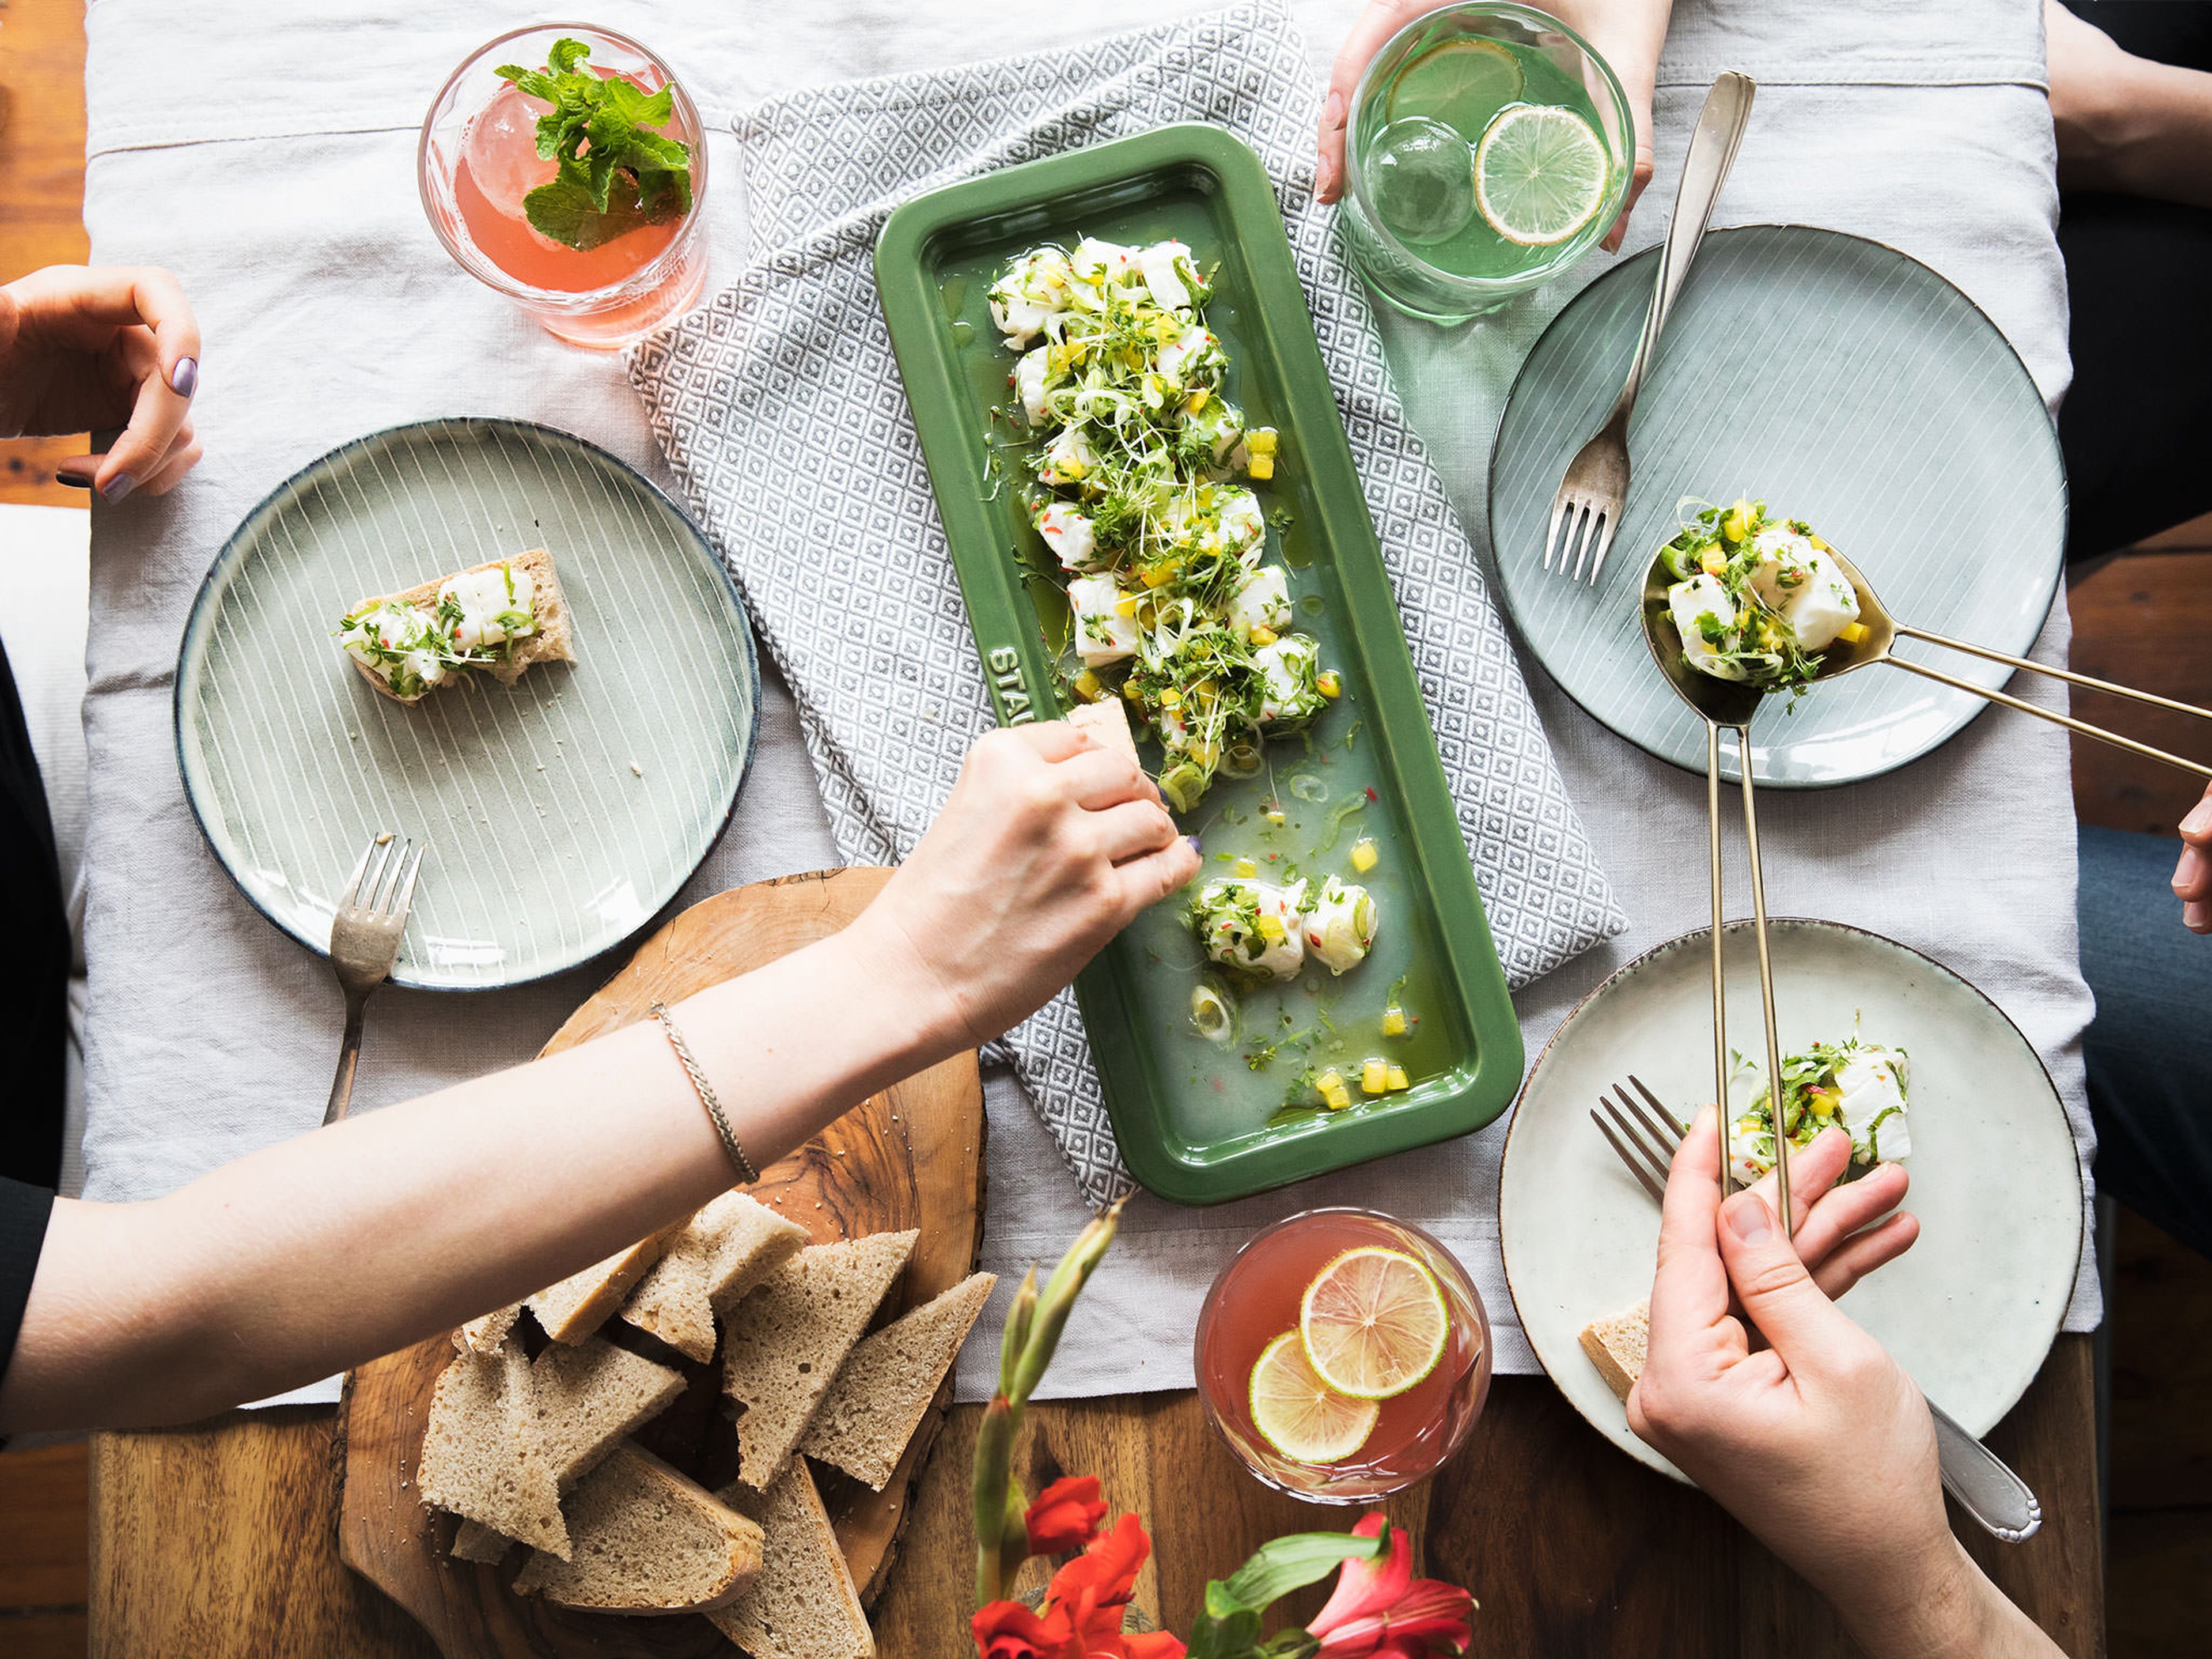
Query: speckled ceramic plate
[(1848, 386), (1970, 1311), (561, 811)]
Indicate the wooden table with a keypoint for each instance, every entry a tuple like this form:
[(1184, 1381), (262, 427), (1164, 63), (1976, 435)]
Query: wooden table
[(220, 1539)]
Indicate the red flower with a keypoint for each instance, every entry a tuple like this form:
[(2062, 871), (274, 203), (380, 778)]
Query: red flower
[(1066, 1515), (1081, 1618), (1380, 1611)]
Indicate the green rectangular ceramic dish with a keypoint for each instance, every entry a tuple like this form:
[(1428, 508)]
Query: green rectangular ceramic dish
[(1200, 1121)]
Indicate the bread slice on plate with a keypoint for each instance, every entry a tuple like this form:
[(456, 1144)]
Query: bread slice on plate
[(647, 1541), (805, 1604), (1616, 1346), (782, 1347), (413, 677), (479, 1458), (729, 1247), (876, 1402), (572, 1310)]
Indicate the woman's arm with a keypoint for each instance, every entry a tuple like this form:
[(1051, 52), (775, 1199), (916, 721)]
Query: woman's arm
[(355, 1240), (2125, 124)]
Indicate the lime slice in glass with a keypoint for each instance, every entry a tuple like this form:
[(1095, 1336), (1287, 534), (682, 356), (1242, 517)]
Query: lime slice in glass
[(1300, 1415), (1374, 1323), (1462, 83), (1541, 173)]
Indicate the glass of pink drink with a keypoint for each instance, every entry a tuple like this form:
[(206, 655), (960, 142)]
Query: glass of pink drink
[(478, 159), (1254, 1310)]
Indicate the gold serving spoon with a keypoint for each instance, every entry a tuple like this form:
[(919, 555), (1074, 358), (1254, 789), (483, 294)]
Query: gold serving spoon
[(1880, 633), (1732, 703), (1724, 703)]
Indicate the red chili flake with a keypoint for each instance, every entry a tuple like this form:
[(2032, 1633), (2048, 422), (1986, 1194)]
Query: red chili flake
[(1371, 795)]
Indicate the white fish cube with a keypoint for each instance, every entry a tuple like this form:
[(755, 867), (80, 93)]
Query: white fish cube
[(1691, 602), (1069, 534), (1262, 600), (1068, 459), (1159, 263), (1104, 632)]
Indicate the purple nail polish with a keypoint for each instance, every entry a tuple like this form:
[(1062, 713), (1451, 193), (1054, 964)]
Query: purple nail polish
[(118, 487), (185, 378), (74, 480), (1191, 841)]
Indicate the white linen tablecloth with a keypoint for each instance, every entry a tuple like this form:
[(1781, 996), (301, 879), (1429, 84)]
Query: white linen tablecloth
[(281, 192)]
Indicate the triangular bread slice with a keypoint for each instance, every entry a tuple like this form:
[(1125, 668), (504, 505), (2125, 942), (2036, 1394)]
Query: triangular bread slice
[(484, 1333), (647, 1541), (572, 1310), (872, 1409), (1616, 1346), (803, 1605), (555, 639), (584, 1401), (479, 1458), (591, 1399), (718, 1256), (782, 1347)]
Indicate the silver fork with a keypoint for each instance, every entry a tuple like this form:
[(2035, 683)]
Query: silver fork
[(1985, 1487), (1596, 489), (365, 942)]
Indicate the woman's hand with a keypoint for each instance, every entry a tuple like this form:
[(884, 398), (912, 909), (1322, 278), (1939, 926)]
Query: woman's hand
[(1627, 34), (1820, 1442), (84, 348), (1050, 846), (2192, 877)]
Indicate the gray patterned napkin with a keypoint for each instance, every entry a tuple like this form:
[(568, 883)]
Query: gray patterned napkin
[(780, 407)]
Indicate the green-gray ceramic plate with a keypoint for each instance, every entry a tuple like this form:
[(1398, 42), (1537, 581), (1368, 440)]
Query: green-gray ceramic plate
[(1970, 1311), (561, 811), (1198, 1122), (1848, 386)]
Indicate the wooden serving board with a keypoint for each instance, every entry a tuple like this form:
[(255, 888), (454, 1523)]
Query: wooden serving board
[(911, 1157)]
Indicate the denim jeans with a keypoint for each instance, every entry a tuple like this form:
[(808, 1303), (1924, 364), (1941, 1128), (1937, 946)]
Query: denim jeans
[(2150, 1049)]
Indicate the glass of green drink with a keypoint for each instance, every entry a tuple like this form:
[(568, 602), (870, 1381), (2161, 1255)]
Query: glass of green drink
[(1489, 147)]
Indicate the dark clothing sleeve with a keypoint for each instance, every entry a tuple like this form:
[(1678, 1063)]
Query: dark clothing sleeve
[(23, 1214)]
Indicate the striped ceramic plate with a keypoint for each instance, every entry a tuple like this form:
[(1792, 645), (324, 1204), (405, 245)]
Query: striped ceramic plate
[(1848, 386), (562, 812)]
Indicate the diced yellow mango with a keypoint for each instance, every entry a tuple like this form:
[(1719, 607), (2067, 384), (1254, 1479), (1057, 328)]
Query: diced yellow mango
[(1398, 1079), (1260, 440), (1262, 634), (1374, 1077), (1820, 545), (1126, 607), (1329, 1081), (1328, 684), (1270, 929), (1393, 1021), (1338, 1098), (1363, 855), (1171, 698), (1244, 867), (1087, 686), (1263, 467), (1197, 401), (1276, 816), (1852, 632)]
